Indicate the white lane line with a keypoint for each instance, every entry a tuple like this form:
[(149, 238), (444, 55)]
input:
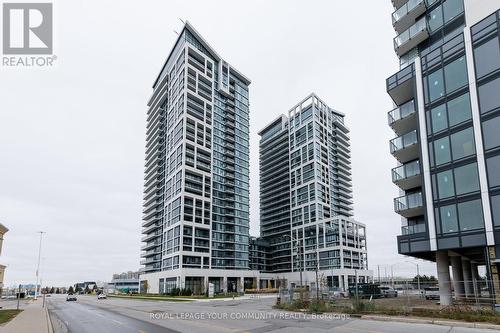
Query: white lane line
[(116, 321)]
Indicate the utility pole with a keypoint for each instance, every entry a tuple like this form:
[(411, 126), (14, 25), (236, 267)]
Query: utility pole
[(18, 296), (392, 278), (418, 282), (38, 265), (378, 270)]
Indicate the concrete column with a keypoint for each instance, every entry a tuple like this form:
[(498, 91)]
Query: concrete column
[(205, 284), (458, 276), (240, 284), (346, 282), (257, 283), (443, 271), (224, 284), (467, 273)]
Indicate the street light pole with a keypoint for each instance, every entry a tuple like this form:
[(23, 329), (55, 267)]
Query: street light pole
[(418, 277), (38, 264)]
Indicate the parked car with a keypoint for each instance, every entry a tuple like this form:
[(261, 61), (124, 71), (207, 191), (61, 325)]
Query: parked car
[(365, 290), (431, 293), (70, 297), (388, 292), (101, 296)]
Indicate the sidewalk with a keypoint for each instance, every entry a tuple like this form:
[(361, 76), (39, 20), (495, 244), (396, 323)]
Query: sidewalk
[(33, 319), (434, 321)]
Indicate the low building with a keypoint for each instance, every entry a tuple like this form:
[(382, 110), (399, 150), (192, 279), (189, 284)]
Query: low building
[(127, 282), (3, 230)]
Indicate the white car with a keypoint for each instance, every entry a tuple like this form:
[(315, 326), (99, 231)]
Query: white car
[(101, 296), (431, 293)]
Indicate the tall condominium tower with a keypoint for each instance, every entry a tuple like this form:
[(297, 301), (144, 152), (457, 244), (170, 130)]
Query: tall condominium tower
[(196, 201), (446, 120), (306, 196)]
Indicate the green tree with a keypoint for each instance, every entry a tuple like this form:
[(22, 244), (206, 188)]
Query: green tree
[(71, 290), (52, 290)]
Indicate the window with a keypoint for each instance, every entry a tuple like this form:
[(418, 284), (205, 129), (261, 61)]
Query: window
[(495, 209), (459, 109), (470, 215), (439, 118), (449, 221), (455, 74), (487, 57), (491, 133), (435, 20), (452, 8), (493, 167), (488, 95), (435, 85), (442, 151), (445, 184), (466, 179), (462, 144)]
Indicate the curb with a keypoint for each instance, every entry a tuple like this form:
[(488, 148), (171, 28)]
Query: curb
[(440, 322), (50, 328)]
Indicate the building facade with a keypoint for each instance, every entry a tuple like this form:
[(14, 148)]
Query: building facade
[(446, 118), (126, 282), (306, 197), (196, 188)]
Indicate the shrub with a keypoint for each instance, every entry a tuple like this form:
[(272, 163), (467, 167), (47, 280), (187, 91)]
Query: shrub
[(318, 306), (360, 306), (175, 292)]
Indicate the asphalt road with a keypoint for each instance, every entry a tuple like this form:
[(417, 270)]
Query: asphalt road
[(83, 317), (217, 316)]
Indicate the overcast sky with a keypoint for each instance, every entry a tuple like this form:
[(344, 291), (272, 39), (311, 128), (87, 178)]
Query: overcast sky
[(72, 137)]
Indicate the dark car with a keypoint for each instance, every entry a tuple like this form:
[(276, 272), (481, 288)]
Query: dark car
[(71, 297), (365, 290)]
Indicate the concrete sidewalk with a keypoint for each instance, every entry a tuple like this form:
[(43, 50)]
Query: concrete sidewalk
[(33, 319), (434, 321)]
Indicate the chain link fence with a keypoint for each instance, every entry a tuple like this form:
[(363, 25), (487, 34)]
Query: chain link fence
[(397, 295)]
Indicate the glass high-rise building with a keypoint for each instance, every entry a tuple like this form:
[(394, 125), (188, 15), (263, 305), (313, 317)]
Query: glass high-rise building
[(196, 197), (446, 120), (306, 197)]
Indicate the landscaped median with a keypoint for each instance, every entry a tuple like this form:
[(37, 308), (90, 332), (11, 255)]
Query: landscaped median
[(460, 315), (154, 297), (7, 315)]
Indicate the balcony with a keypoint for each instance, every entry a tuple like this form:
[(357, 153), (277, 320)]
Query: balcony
[(409, 205), (411, 37), (403, 119), (407, 176), (405, 15), (398, 3), (413, 229), (406, 147), (401, 86)]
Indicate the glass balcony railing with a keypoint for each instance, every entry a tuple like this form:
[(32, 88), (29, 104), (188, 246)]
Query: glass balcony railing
[(409, 201), (405, 9), (406, 171), (402, 111), (404, 141), (411, 32), (413, 229)]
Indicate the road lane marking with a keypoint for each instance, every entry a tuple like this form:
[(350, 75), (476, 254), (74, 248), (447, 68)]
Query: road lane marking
[(116, 321), (360, 330)]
